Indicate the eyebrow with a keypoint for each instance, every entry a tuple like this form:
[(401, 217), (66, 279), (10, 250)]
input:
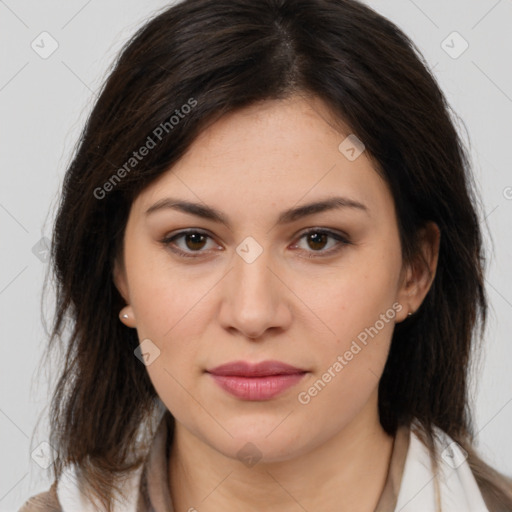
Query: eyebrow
[(285, 217)]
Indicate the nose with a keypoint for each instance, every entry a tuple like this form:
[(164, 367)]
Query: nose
[(255, 299)]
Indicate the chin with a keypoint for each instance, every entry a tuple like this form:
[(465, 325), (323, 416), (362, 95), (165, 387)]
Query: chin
[(254, 444), (262, 451)]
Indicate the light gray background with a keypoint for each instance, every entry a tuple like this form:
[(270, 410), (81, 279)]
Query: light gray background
[(44, 103)]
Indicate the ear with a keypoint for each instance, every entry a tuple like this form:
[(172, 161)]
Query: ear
[(120, 281), (417, 277)]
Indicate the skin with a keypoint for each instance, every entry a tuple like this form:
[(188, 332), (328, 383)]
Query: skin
[(330, 454)]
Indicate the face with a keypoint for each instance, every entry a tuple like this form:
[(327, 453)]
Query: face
[(246, 273)]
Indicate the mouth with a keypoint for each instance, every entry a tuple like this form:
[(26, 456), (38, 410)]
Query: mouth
[(261, 381)]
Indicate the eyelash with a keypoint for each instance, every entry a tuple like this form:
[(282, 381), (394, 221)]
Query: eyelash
[(343, 241)]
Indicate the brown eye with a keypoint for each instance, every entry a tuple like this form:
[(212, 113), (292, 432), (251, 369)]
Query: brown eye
[(321, 241), (317, 240), (186, 243), (195, 241)]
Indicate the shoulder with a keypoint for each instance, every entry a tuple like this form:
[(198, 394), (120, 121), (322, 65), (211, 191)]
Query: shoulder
[(46, 501), (495, 488)]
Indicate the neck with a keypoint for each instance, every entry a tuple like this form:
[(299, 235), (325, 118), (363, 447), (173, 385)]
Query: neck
[(347, 473)]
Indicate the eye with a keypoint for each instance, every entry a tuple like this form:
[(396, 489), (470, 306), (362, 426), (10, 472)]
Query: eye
[(192, 241), (318, 239)]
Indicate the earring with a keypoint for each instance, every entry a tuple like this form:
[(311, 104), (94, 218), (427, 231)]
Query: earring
[(410, 314), (126, 315)]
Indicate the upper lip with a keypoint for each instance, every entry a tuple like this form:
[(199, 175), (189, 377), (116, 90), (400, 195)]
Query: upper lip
[(245, 369)]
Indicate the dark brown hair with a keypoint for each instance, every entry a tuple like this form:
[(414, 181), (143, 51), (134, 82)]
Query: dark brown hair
[(217, 56)]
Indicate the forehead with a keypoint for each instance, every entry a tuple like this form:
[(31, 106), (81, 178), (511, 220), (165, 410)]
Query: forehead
[(268, 155)]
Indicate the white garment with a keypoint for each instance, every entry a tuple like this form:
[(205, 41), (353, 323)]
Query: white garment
[(458, 488), (72, 500)]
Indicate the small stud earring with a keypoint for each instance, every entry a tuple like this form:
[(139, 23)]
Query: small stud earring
[(124, 314)]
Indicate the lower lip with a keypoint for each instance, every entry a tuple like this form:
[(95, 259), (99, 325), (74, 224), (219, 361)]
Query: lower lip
[(257, 388)]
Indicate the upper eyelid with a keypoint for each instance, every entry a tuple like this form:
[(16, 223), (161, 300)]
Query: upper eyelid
[(302, 232)]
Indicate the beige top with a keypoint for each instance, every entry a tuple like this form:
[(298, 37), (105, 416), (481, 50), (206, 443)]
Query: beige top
[(154, 491)]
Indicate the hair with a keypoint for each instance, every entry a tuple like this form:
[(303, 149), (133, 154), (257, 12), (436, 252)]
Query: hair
[(186, 68)]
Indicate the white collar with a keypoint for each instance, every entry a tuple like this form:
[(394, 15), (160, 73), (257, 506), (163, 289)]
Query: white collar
[(458, 487)]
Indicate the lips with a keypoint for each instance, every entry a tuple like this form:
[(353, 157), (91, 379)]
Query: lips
[(265, 368), (261, 381)]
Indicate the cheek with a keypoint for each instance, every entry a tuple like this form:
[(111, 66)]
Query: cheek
[(165, 297), (357, 306), (171, 311), (354, 295), (173, 383), (352, 357), (174, 322)]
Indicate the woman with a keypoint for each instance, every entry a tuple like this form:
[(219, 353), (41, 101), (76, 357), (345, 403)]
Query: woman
[(269, 253)]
